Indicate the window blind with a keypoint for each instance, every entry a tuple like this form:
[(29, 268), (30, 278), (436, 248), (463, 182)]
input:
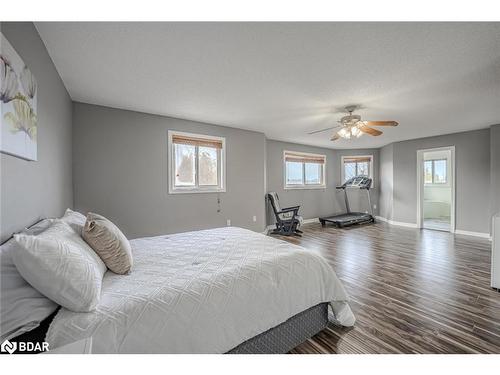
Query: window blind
[(194, 141), (304, 158), (357, 159)]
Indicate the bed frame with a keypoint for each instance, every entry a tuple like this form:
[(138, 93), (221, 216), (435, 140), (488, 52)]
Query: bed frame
[(287, 335)]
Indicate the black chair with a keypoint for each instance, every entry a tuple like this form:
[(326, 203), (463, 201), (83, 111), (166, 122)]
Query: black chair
[(288, 219)]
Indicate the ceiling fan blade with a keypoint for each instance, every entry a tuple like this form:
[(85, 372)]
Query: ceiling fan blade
[(323, 130), (381, 123), (368, 130), (335, 137)]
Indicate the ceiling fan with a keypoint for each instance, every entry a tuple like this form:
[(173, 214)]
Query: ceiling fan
[(353, 127)]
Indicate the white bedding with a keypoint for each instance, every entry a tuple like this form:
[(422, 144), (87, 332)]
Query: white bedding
[(203, 292)]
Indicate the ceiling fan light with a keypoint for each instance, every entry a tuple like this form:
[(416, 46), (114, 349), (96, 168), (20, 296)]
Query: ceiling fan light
[(342, 132)]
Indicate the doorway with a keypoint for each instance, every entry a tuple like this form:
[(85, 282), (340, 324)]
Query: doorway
[(436, 189)]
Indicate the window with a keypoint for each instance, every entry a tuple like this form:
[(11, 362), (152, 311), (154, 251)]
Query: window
[(435, 171), (304, 171), (196, 163), (353, 166)]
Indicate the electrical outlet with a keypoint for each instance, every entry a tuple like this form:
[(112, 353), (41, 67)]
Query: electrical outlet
[(254, 219), (228, 222), (374, 206)]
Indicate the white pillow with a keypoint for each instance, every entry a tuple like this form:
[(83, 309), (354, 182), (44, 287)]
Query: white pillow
[(60, 265), (75, 220), (22, 308)]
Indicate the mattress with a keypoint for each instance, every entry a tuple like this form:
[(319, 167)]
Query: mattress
[(203, 292)]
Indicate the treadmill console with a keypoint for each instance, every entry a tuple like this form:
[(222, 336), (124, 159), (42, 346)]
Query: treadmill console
[(359, 182)]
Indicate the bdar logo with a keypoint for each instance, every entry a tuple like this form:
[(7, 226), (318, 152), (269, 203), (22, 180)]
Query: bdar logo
[(8, 346), (21, 346)]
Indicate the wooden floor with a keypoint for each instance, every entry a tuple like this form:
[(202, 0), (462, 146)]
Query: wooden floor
[(412, 291)]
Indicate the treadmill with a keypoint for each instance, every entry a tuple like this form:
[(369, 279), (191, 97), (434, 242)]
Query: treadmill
[(351, 218)]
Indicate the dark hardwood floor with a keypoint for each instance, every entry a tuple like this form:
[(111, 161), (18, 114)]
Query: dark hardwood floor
[(412, 291)]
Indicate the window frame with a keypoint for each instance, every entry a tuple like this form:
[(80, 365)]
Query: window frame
[(221, 166), (433, 183), (370, 167), (304, 186)]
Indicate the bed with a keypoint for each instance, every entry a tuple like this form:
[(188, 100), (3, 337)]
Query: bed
[(225, 290)]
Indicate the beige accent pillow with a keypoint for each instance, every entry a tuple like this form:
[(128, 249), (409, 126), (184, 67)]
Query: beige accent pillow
[(108, 242)]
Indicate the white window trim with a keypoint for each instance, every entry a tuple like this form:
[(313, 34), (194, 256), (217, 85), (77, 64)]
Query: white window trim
[(304, 186), (171, 166), (342, 173)]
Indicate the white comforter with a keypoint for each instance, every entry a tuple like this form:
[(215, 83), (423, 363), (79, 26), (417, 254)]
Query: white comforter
[(203, 292)]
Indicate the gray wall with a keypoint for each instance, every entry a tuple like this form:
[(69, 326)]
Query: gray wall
[(386, 173), (31, 190), (472, 160), (120, 170), (495, 168), (313, 202), (316, 202)]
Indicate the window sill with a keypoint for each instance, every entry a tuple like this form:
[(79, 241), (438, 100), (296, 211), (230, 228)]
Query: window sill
[(195, 191), (312, 187)]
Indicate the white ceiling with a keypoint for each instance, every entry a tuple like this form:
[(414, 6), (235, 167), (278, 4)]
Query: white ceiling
[(287, 79)]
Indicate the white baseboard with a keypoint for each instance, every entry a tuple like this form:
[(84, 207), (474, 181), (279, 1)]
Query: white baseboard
[(475, 234), (399, 223), (309, 221), (268, 228), (457, 231)]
